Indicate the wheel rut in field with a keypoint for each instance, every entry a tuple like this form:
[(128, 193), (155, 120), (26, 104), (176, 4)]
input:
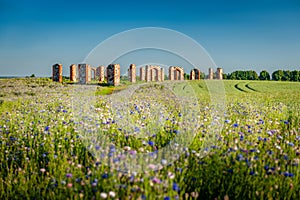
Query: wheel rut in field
[(250, 88), (239, 88)]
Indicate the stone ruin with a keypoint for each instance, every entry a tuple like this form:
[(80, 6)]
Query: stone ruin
[(73, 73), (142, 74), (132, 73), (83, 70), (195, 74), (210, 74), (220, 73), (154, 73), (100, 73), (176, 73), (113, 74), (57, 73)]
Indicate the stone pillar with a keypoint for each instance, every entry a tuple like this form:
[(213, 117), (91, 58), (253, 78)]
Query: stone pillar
[(132, 73), (73, 73), (181, 74), (148, 73), (171, 73), (195, 74), (57, 73), (220, 73), (158, 73), (210, 74), (83, 70), (198, 74), (113, 74), (142, 74), (192, 75), (176, 75), (162, 73), (89, 73), (100, 73)]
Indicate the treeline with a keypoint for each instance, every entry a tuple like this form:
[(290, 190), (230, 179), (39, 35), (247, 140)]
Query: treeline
[(279, 75)]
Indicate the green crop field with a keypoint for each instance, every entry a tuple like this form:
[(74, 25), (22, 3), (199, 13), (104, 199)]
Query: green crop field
[(49, 151)]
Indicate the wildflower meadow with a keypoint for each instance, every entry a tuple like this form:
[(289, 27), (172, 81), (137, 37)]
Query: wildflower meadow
[(150, 142)]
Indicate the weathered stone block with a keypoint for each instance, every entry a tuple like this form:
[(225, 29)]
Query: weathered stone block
[(73, 73), (113, 74), (57, 73)]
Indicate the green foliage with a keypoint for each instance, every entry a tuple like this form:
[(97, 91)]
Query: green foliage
[(264, 75), (243, 75)]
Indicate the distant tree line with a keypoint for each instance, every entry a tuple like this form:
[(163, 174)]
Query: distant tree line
[(279, 75)]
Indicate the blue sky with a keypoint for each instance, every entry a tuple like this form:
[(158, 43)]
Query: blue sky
[(257, 34)]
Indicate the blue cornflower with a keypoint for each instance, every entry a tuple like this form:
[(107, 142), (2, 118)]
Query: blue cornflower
[(241, 138), (175, 187), (47, 128), (286, 174), (104, 176), (151, 143)]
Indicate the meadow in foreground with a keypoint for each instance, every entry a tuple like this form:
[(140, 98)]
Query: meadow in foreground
[(45, 156)]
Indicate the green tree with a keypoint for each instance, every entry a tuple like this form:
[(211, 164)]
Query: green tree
[(286, 75), (202, 75), (264, 75), (277, 75), (295, 75)]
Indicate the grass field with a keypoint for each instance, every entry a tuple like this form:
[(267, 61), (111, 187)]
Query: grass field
[(44, 154)]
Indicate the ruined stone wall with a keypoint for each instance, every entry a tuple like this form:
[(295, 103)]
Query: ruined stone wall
[(220, 73), (148, 73), (210, 74), (195, 74), (100, 73), (83, 70), (142, 74), (57, 73), (176, 73), (154, 73), (73, 73), (113, 74), (132, 73)]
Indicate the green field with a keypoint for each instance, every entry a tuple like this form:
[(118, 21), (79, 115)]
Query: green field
[(49, 152)]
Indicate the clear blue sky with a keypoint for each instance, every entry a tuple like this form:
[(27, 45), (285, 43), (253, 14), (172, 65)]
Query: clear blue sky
[(238, 34)]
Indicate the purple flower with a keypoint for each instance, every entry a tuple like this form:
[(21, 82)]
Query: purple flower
[(235, 125), (291, 144), (69, 175)]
